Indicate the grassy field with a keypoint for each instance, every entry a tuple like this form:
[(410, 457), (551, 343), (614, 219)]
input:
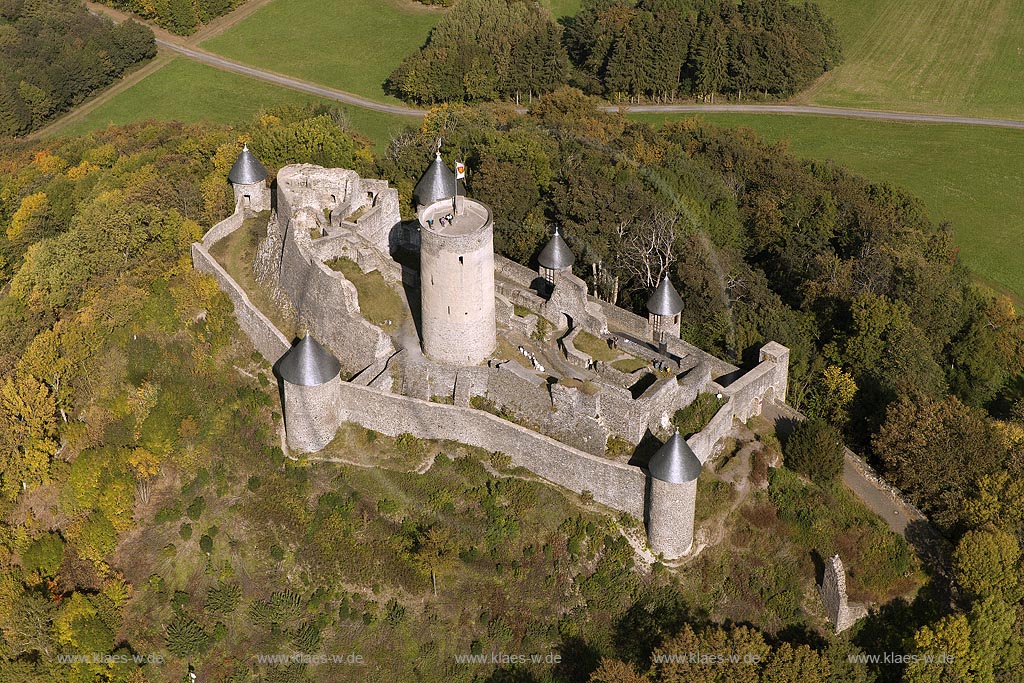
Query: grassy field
[(352, 45), (947, 56), (563, 8), (191, 92), (971, 176)]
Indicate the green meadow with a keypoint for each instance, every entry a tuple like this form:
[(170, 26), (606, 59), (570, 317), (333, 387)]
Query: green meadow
[(191, 92), (351, 45), (942, 56), (968, 175)]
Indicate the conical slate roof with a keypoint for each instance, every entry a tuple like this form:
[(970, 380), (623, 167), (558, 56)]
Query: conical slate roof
[(665, 300), (308, 364), (675, 462), (436, 184), (556, 254), (247, 169)]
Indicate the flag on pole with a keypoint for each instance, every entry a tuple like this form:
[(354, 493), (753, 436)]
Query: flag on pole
[(460, 170)]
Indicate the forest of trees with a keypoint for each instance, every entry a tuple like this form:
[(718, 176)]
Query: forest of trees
[(183, 17), (485, 50), (700, 48), (54, 53), (657, 49)]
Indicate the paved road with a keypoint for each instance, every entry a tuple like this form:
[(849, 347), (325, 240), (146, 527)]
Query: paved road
[(897, 515), (219, 62), (822, 111)]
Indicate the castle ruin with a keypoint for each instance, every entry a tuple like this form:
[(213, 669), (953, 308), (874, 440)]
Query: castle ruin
[(491, 353)]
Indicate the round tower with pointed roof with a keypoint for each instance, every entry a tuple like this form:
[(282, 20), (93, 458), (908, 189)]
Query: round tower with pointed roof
[(456, 270), (310, 375), (672, 497), (248, 178), (664, 308), (555, 257)]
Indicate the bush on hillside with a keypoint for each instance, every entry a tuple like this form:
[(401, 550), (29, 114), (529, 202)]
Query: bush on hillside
[(815, 449)]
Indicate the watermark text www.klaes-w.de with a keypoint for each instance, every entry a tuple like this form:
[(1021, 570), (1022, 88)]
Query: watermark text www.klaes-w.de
[(707, 658), (900, 658), (314, 659), (509, 658), (104, 658)]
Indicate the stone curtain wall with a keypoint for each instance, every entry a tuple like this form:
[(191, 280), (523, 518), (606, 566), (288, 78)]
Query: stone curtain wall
[(265, 336), (616, 485), (224, 228)]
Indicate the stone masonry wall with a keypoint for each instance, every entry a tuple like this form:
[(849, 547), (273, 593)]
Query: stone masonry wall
[(224, 228), (264, 335), (325, 301), (616, 485), (310, 415), (833, 594)]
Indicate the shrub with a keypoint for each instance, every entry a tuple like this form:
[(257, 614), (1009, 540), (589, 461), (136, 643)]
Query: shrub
[(394, 612), (501, 461), (206, 544), (44, 555), (185, 636), (695, 417), (185, 531), (307, 637), (195, 510), (223, 597), (179, 599), (815, 450)]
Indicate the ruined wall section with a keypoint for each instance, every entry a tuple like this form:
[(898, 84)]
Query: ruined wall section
[(325, 302), (616, 485)]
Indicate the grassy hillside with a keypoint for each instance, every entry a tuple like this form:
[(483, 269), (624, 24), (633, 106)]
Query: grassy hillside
[(967, 175), (191, 92), (350, 45), (948, 56)]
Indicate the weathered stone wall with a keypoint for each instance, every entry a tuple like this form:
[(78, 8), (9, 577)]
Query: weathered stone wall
[(310, 415), (457, 286), (616, 485), (670, 517), (514, 272), (264, 335), (254, 197), (382, 215), (224, 228), (833, 595), (569, 298), (325, 302), (706, 443)]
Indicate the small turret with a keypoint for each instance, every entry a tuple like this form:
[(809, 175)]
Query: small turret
[(663, 311), (672, 497), (556, 257), (248, 178), (310, 374)]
